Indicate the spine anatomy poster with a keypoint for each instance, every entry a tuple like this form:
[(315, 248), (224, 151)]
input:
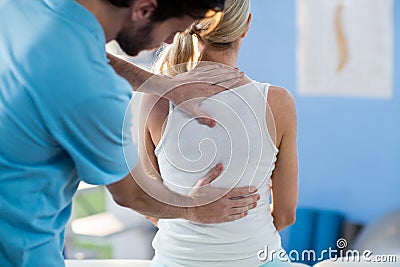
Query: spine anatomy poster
[(345, 48)]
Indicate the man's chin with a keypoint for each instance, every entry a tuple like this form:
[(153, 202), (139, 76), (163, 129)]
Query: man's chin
[(134, 50), (129, 50), (137, 52), (132, 53)]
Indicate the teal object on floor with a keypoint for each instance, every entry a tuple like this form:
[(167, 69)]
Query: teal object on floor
[(328, 229), (314, 231), (301, 233)]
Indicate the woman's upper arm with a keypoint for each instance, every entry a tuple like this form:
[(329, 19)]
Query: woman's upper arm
[(146, 143), (285, 175)]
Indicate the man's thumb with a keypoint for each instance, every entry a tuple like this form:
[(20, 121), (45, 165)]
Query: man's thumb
[(211, 175), (204, 118)]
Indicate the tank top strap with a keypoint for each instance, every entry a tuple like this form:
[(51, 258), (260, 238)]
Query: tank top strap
[(166, 128), (264, 88)]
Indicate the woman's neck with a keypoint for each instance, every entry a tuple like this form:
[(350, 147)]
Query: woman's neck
[(228, 57)]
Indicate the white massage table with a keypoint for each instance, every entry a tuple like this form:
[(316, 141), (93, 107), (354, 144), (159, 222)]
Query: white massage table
[(107, 263), (125, 263)]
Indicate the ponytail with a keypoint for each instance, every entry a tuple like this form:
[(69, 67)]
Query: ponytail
[(219, 31), (177, 57), (182, 55)]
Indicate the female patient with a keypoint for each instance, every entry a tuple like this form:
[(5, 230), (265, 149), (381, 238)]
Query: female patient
[(255, 121)]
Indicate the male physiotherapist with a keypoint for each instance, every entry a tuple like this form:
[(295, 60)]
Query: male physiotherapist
[(62, 108)]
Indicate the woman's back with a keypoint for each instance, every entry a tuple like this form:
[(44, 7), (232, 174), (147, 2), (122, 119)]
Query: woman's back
[(242, 143)]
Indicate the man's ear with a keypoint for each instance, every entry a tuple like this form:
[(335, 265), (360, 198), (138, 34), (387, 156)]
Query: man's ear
[(248, 25), (143, 9)]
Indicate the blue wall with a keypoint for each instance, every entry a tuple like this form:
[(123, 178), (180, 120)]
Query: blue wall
[(349, 148)]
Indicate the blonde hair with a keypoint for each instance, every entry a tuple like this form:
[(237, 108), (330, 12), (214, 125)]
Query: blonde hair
[(219, 31)]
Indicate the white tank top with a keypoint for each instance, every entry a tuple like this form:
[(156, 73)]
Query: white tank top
[(188, 150)]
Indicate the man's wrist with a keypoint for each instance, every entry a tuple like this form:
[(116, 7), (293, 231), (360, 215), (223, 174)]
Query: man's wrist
[(187, 213), (159, 85), (187, 207)]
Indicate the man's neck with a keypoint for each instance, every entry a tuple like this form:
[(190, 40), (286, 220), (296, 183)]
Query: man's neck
[(110, 18)]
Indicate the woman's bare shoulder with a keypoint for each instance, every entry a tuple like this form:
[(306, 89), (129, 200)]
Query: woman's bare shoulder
[(281, 100), (280, 95), (154, 109), (283, 107)]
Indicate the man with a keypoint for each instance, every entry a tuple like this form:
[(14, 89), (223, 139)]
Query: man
[(62, 111)]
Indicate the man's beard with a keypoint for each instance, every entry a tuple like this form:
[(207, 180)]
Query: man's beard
[(134, 40)]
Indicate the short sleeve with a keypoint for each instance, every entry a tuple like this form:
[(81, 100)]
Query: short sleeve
[(96, 134)]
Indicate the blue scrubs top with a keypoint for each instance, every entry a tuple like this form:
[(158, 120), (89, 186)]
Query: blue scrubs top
[(62, 111)]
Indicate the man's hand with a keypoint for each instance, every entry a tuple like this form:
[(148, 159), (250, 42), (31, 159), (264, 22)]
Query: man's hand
[(204, 204), (185, 90), (190, 88), (217, 208)]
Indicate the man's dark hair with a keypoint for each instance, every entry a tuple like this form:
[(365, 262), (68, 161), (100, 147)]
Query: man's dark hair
[(178, 8), (121, 3)]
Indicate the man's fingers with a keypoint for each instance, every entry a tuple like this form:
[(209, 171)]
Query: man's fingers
[(224, 77), (229, 84), (241, 192), (211, 175), (234, 211), (217, 77), (240, 212), (212, 66), (212, 88), (204, 118), (244, 202), (221, 71), (235, 217), (192, 108), (207, 121), (242, 209), (208, 67), (215, 73)]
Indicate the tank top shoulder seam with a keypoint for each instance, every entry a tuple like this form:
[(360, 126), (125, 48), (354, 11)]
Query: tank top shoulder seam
[(167, 126), (265, 91)]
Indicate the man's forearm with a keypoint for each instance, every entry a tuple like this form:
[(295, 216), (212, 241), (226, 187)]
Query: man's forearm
[(160, 202), (130, 196), (149, 196), (204, 204), (136, 76)]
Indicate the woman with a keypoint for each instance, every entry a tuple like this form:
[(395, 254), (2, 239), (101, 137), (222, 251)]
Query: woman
[(255, 122)]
